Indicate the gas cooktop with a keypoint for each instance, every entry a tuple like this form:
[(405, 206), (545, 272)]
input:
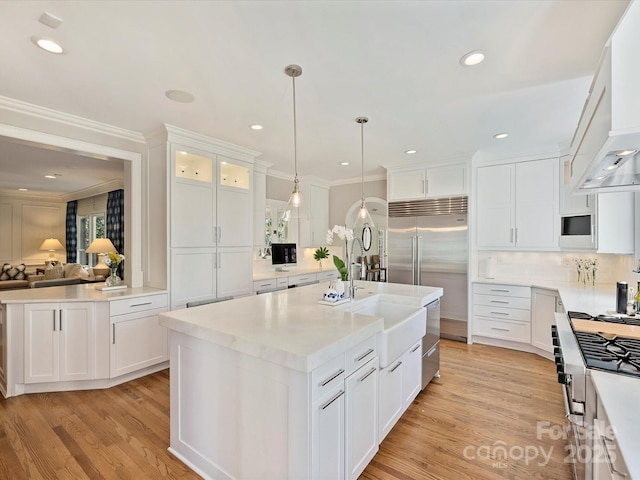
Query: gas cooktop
[(608, 352)]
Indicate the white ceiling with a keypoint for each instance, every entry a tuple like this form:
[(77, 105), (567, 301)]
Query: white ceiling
[(396, 62)]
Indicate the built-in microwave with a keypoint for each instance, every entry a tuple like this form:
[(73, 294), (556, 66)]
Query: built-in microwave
[(576, 231)]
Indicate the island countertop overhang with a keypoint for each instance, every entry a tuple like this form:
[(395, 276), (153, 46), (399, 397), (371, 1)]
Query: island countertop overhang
[(290, 327)]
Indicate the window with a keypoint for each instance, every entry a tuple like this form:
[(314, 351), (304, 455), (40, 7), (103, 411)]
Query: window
[(90, 227)]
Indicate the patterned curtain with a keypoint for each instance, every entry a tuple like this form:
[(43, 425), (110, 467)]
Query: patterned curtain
[(72, 232), (115, 223)]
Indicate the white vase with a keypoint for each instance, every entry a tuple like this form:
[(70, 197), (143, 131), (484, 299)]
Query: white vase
[(339, 286)]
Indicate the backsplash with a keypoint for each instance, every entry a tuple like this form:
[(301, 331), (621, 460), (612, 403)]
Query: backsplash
[(305, 260), (554, 266)]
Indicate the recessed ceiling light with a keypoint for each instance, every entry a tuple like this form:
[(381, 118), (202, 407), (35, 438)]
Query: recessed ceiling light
[(23, 189), (255, 126), (410, 152), (624, 153), (612, 167), (601, 177), (47, 44), (500, 136), (472, 58), (50, 176), (179, 96), (344, 164)]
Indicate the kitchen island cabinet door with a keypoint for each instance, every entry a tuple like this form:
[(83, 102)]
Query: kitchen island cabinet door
[(412, 374), (328, 448), (361, 418), (391, 397), (58, 342)]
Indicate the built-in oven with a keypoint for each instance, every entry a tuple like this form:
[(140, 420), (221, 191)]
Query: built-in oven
[(577, 231)]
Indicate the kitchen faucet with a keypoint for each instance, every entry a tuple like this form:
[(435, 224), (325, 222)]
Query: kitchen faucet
[(352, 287)]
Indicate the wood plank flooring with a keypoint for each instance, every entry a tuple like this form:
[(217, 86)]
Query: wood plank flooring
[(487, 397)]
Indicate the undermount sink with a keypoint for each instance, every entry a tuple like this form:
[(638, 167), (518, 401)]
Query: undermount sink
[(403, 326)]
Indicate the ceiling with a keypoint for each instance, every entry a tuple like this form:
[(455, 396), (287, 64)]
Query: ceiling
[(396, 62)]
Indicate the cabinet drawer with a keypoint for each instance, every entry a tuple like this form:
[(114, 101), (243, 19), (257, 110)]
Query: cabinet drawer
[(327, 376), (260, 285), (503, 290), (504, 302), (282, 282), (502, 313), (331, 275), (502, 329), (357, 356), (302, 279), (137, 304)]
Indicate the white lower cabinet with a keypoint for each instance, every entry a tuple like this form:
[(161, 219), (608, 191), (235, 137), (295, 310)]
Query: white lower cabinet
[(329, 447), (544, 304), (412, 374), (58, 342), (502, 312), (361, 418), (391, 397), (400, 383), (137, 339)]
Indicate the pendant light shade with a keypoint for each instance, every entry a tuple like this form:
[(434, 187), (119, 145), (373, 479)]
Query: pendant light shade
[(363, 215), (294, 205)]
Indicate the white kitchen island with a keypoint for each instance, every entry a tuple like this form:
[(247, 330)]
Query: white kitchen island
[(277, 386)]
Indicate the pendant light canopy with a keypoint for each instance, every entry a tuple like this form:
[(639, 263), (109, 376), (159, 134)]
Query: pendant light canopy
[(363, 213), (295, 200)]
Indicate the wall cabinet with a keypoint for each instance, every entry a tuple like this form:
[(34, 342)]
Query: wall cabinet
[(313, 229), (431, 182), (517, 205), (544, 305), (58, 342), (137, 339)]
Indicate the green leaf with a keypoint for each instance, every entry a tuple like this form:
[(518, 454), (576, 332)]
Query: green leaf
[(321, 253), (342, 268)]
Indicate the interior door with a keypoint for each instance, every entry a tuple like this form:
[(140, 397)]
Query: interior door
[(402, 231)]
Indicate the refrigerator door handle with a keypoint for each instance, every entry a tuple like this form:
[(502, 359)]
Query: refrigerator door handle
[(413, 259), (419, 262)]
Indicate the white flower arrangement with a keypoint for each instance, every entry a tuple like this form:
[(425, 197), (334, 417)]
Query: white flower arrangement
[(345, 234)]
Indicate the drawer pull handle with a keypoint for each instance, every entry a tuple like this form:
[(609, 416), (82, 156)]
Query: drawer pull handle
[(328, 380), (140, 304), (415, 348), (364, 377), (114, 333), (365, 354), (265, 284), (500, 290), (500, 313), (337, 396), (395, 367), (499, 301), (500, 329)]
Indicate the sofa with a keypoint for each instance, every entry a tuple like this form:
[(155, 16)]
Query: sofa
[(14, 276)]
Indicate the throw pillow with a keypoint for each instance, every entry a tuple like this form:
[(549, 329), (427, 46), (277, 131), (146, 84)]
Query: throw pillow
[(54, 272), (13, 272), (76, 271)]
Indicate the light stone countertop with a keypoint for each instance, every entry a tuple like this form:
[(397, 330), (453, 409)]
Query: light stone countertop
[(620, 395), (290, 327), (269, 274), (73, 293)]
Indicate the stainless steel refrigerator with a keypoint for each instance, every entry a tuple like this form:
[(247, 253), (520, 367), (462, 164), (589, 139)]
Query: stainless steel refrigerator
[(428, 245)]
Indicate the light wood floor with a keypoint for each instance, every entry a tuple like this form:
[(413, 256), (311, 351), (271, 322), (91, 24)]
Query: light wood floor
[(485, 396)]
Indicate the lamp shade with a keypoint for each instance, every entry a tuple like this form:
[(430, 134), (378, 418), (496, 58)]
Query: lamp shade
[(101, 245), (51, 244)]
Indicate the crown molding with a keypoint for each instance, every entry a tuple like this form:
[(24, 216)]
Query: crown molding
[(94, 190), (358, 180), (17, 106)]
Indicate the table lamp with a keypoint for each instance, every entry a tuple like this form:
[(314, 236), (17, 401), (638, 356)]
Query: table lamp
[(101, 246), (51, 244)]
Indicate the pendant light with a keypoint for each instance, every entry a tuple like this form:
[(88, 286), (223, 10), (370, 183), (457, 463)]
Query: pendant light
[(295, 200), (363, 214)]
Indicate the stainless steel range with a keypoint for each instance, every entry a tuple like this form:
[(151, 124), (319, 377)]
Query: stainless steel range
[(583, 342)]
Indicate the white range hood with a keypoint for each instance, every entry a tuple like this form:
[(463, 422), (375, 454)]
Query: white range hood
[(607, 140)]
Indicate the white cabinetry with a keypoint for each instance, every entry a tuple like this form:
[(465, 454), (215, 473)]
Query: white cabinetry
[(137, 339), (313, 230), (3, 349), (518, 205), (329, 448), (361, 418), (400, 383), (432, 182), (544, 305), (59, 342), (502, 312), (615, 223)]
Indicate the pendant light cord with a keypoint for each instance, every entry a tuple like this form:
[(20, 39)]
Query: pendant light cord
[(295, 134), (362, 156)]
